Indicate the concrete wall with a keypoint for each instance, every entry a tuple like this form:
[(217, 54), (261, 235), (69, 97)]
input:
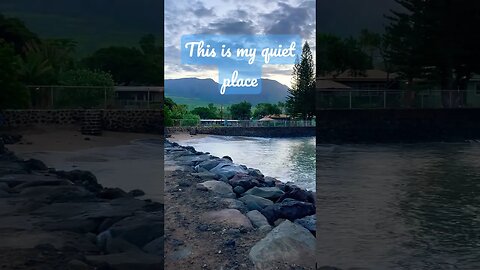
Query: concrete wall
[(248, 131), (114, 120), (396, 125)]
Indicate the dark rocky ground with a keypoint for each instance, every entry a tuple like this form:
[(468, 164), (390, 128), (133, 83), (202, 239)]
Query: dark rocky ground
[(65, 220), (221, 215)]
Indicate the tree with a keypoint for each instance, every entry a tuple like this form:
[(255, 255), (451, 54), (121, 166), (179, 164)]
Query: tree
[(13, 94), (301, 100), (241, 111), (209, 112), (264, 109), (432, 40), (178, 115), (100, 90), (14, 32)]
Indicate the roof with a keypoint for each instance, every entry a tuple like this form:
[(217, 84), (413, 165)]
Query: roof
[(138, 88), (368, 75), (329, 84)]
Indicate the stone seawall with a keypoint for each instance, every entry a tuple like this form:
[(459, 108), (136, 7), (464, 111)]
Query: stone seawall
[(247, 131), (114, 120), (397, 125)]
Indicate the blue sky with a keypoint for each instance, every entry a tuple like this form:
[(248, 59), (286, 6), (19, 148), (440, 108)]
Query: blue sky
[(183, 17)]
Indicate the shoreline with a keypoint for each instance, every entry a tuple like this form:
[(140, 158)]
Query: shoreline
[(210, 194), (52, 219)]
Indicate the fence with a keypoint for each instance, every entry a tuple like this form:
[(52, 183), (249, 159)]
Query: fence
[(384, 99), (93, 97), (243, 123)]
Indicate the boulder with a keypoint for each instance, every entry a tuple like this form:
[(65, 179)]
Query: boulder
[(136, 193), (233, 204), (258, 220), (271, 193), (287, 244), (288, 209), (155, 247), (229, 217), (35, 165), (298, 194), (218, 187), (243, 180), (239, 190), (309, 223), (255, 173), (228, 169), (111, 193), (209, 164), (255, 203), (84, 178), (139, 229)]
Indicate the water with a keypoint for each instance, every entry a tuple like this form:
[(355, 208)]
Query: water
[(287, 159), (411, 206)]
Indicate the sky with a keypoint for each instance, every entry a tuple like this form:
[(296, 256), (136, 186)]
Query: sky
[(259, 17)]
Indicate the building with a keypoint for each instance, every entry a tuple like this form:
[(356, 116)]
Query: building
[(137, 97), (371, 79)]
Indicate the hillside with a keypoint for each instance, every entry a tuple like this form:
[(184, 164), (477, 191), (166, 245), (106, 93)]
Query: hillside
[(193, 91)]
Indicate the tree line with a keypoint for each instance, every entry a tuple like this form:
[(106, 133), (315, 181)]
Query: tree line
[(28, 59)]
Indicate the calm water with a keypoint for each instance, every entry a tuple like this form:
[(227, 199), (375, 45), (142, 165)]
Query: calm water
[(399, 206), (287, 159)]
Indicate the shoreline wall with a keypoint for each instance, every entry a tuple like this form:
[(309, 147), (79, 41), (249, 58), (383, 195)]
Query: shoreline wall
[(397, 125), (113, 120), (247, 131)]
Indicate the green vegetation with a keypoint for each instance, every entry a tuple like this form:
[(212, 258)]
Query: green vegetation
[(178, 115), (264, 109), (30, 60), (241, 111), (301, 101), (209, 112)]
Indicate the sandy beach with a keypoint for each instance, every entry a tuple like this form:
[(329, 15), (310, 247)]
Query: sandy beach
[(183, 136), (118, 159)]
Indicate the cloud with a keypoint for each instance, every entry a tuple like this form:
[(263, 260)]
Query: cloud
[(289, 19), (201, 11), (227, 26)]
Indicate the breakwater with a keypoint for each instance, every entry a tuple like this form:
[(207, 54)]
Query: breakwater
[(247, 131)]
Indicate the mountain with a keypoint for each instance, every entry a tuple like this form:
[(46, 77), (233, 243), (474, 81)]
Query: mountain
[(204, 91), (92, 23)]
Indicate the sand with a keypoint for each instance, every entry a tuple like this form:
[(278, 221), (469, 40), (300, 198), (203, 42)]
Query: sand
[(179, 137), (118, 159)]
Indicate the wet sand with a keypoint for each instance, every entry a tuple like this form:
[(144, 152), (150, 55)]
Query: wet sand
[(118, 159)]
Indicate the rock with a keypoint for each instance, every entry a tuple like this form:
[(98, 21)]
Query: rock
[(219, 187), (136, 193), (288, 209), (155, 247), (298, 194), (192, 160), (239, 190), (286, 244), (258, 220), (30, 180), (139, 229), (269, 181), (309, 223), (265, 229), (4, 187), (271, 193), (84, 178), (35, 165), (129, 260), (243, 180), (229, 217), (118, 245), (255, 173), (111, 193), (233, 204), (227, 157), (209, 164), (255, 202), (278, 221), (201, 187), (57, 194), (228, 169)]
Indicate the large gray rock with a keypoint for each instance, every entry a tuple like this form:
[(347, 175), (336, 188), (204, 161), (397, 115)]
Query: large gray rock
[(243, 180), (229, 217), (192, 160), (218, 187), (139, 229), (271, 193), (210, 164), (233, 204), (258, 220), (309, 223), (155, 247), (228, 170), (255, 202), (286, 244)]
